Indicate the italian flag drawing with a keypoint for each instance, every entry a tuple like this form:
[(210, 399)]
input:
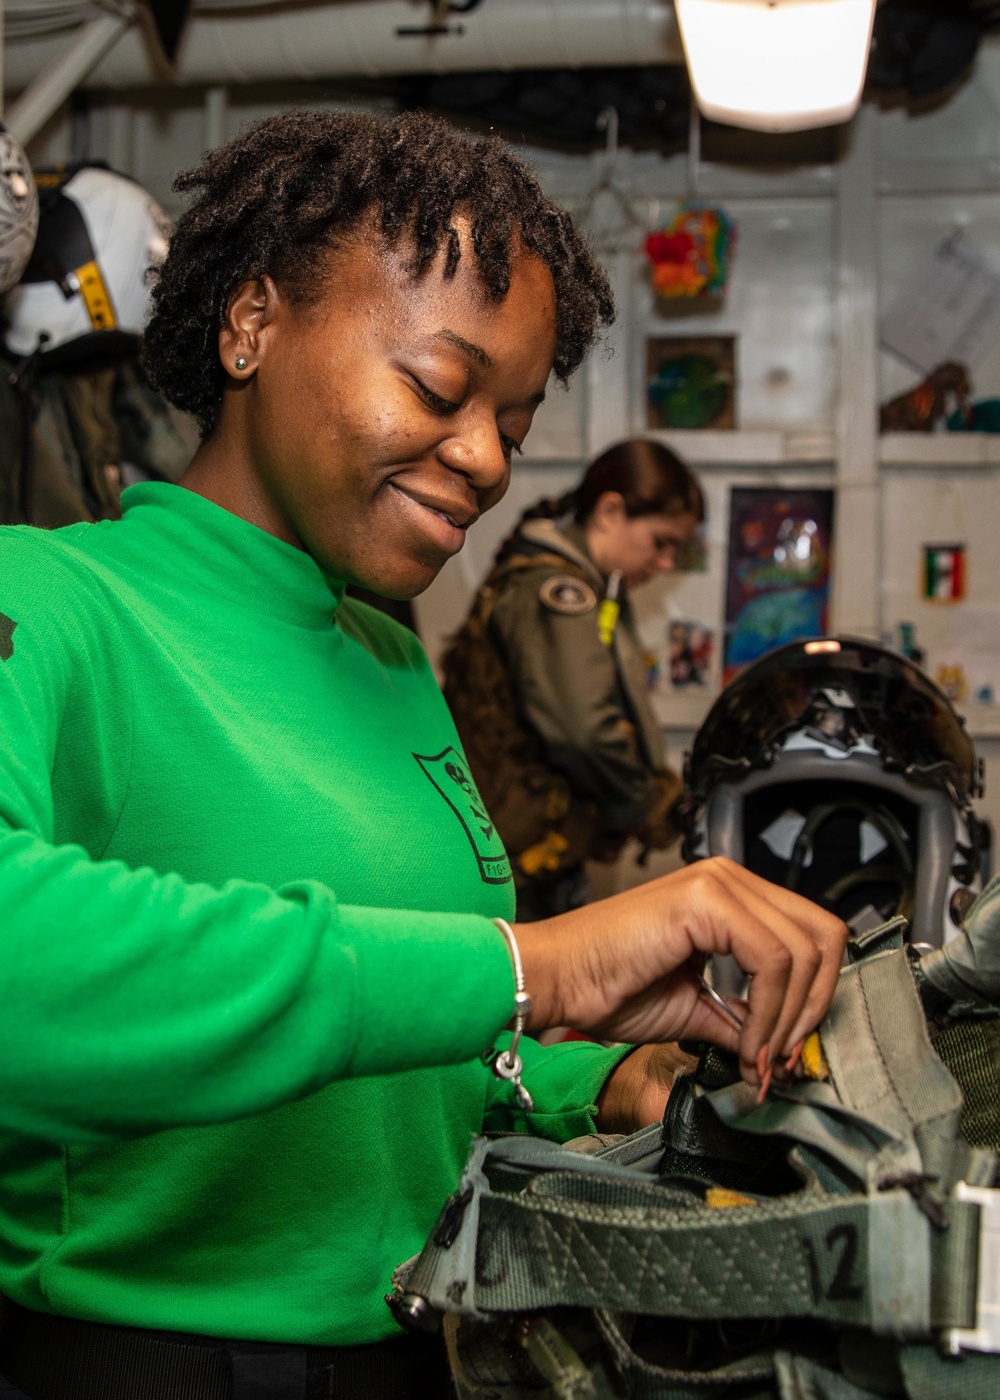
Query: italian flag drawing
[(944, 572)]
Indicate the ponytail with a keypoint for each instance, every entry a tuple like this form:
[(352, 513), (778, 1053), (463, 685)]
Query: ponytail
[(551, 508), (650, 479)]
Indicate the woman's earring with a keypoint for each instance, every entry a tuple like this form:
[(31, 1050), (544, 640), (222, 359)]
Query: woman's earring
[(240, 362)]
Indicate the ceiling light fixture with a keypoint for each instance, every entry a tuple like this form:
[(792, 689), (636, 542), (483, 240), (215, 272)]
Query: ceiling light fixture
[(776, 65)]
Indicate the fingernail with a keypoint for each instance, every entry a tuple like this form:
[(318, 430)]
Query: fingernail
[(765, 1084), (793, 1058), (762, 1055)]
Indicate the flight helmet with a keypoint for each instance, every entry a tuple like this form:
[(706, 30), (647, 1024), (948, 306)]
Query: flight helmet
[(837, 768), (100, 236), (18, 210)]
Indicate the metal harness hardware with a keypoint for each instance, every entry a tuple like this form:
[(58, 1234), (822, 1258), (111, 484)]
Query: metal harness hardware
[(985, 1336)]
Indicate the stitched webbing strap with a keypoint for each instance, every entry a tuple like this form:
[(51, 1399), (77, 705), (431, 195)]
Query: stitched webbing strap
[(891, 1109), (883, 1065), (594, 1235), (533, 1226)]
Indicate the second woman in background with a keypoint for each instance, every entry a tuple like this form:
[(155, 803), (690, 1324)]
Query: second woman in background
[(547, 681)]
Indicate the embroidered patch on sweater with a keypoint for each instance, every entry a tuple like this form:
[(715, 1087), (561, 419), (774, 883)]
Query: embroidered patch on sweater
[(565, 594), (449, 773)]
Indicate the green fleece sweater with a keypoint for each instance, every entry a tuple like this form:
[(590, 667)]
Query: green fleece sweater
[(246, 957)]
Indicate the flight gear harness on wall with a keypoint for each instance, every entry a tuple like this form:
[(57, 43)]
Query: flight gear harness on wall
[(884, 1237)]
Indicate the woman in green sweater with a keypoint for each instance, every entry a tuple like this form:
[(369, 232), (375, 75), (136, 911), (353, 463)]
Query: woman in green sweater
[(250, 960)]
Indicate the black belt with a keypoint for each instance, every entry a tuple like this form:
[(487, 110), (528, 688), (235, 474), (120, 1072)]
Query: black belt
[(62, 1358)]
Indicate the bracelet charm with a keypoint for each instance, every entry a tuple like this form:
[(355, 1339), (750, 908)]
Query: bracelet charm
[(507, 1064)]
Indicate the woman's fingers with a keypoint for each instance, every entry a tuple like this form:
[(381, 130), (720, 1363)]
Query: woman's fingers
[(790, 949), (805, 962), (770, 965), (626, 967), (829, 932), (722, 917), (708, 1021), (817, 961)]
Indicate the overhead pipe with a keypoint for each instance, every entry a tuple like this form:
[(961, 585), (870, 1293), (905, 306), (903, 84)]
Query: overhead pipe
[(374, 38), (46, 93)]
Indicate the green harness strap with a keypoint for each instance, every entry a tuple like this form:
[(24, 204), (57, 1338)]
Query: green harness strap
[(533, 1226), (602, 1239)]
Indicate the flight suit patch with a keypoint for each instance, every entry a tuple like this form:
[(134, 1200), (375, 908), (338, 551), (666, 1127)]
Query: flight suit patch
[(563, 593)]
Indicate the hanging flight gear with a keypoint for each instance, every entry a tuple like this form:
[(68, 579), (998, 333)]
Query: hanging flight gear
[(18, 210), (71, 437), (837, 768), (78, 419), (841, 1241), (99, 235)]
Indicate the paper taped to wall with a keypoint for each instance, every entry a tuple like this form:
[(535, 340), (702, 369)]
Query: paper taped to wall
[(948, 308)]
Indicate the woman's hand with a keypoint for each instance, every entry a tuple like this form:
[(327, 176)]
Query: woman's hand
[(635, 1093), (626, 968)]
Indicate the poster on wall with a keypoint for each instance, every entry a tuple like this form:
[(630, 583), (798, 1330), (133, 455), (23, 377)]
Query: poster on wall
[(778, 573), (689, 651)]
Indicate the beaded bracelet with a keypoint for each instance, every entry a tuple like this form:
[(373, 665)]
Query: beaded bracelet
[(507, 1064)]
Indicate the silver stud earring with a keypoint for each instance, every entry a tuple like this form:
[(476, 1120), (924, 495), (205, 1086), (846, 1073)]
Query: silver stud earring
[(240, 362)]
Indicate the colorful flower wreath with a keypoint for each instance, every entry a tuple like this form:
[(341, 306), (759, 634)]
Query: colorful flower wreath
[(691, 255)]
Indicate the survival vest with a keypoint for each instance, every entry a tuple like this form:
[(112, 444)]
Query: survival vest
[(839, 1242), (545, 826)]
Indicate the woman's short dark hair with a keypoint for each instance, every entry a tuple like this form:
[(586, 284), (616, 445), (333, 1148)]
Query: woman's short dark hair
[(289, 187)]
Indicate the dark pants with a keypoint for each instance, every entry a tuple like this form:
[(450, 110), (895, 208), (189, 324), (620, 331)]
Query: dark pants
[(58, 1358)]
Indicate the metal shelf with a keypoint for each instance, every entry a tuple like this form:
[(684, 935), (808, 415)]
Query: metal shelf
[(750, 447), (747, 446), (937, 450)]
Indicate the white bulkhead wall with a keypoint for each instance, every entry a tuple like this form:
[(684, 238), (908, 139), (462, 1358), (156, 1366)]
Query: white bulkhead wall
[(794, 308)]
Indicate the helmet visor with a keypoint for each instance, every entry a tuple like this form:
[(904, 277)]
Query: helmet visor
[(915, 727)]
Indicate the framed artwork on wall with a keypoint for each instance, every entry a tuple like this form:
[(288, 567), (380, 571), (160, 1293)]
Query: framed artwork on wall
[(778, 571), (691, 381)]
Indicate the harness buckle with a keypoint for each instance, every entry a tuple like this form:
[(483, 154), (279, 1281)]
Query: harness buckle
[(985, 1336)]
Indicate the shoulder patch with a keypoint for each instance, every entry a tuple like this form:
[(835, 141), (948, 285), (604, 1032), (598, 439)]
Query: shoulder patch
[(565, 593)]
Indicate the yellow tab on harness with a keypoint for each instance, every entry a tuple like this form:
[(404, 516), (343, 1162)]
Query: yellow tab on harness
[(720, 1198), (96, 297), (812, 1060), (607, 619)]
